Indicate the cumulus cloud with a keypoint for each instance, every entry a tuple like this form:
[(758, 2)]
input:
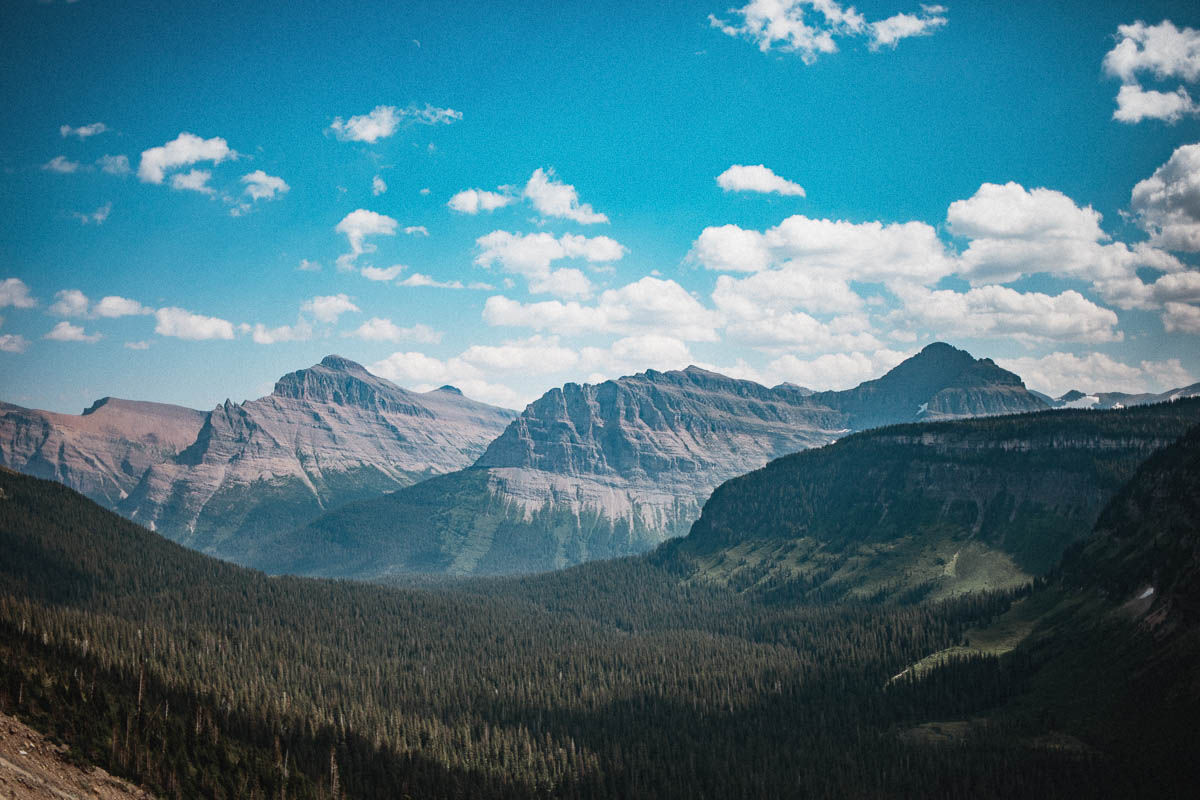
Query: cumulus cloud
[(378, 329), (307, 265), (536, 355), (1135, 104), (329, 307), (260, 334), (13, 343), (66, 332), (1057, 373), (261, 186), (83, 131), (419, 279), (423, 373), (784, 290), (648, 306), (357, 226), (183, 150), (1167, 204), (183, 324), (14, 292), (69, 303), (757, 178), (383, 121), (1181, 317), (810, 28), (416, 230), (634, 354), (383, 273), (1164, 52), (888, 32), (378, 186), (96, 217), (195, 181), (61, 164), (552, 198), (472, 201), (114, 165), (113, 306), (531, 255), (998, 311), (834, 370)]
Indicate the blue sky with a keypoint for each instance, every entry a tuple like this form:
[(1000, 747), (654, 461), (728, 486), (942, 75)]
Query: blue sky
[(764, 189)]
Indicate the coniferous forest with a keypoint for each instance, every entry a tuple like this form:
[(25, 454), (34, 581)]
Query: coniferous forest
[(627, 678)]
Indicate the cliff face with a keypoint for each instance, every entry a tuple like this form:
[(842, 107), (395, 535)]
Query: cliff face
[(101, 453), (598, 471), (326, 435), (950, 507)]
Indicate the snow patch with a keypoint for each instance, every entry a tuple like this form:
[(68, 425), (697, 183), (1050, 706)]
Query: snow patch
[(1149, 591), (922, 409)]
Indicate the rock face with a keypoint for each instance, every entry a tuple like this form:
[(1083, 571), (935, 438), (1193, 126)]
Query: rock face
[(326, 435), (940, 507), (101, 453), (613, 469), (221, 480)]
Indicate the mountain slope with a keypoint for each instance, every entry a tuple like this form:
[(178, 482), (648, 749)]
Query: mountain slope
[(101, 453), (942, 507), (598, 471), (325, 436)]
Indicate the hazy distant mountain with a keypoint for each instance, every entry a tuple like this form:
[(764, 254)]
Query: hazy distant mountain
[(1078, 399), (604, 470), (217, 481), (101, 453)]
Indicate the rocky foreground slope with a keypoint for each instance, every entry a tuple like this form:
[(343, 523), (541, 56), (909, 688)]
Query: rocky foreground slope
[(597, 471), (218, 481)]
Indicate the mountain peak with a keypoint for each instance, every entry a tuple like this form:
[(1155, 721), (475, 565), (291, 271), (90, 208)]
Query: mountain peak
[(336, 362), (450, 389)]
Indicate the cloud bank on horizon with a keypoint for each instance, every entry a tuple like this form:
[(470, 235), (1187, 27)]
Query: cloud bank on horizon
[(466, 256)]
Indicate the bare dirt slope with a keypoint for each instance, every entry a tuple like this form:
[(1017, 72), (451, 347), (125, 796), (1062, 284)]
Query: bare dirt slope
[(31, 768)]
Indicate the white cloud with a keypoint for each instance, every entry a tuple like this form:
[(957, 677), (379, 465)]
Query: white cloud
[(329, 307), (96, 217), (553, 198), (1162, 50), (1058, 373), (867, 251), (113, 306), (378, 186), (998, 311), (834, 370), (66, 332), (357, 226), (784, 289), (61, 164), (306, 265), (531, 255), (142, 345), (114, 165), (799, 332), (648, 306), (185, 149), (183, 324), (634, 354), (810, 28), (1135, 104), (196, 181), (1181, 317), (13, 343), (378, 329), (83, 131), (888, 32), (536, 355), (419, 279), (300, 332), (472, 201), (261, 186), (1167, 204), (14, 292), (424, 373), (69, 303), (383, 273), (757, 178), (416, 230), (382, 121)]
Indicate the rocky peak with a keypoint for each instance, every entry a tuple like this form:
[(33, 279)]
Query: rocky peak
[(343, 382), (450, 389)]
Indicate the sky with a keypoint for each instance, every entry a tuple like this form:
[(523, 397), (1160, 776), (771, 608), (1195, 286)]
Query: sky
[(198, 199)]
